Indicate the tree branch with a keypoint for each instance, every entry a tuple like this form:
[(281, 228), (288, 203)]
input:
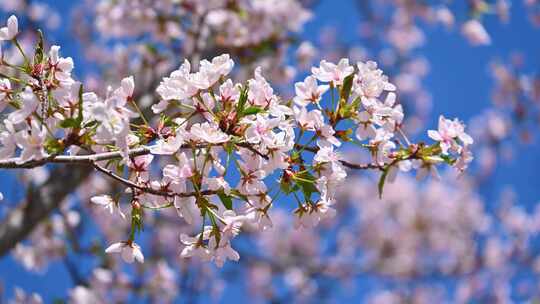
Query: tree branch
[(132, 185), (13, 163), (91, 159), (40, 202), (343, 162)]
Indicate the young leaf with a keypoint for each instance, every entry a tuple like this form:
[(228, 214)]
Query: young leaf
[(347, 86), (306, 181), (382, 180), (251, 111), (38, 54), (69, 123), (242, 100), (54, 146), (288, 186), (225, 200), (80, 114)]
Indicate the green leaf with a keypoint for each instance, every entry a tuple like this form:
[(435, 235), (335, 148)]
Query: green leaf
[(251, 111), (69, 123), (225, 200), (306, 181), (447, 159), (91, 124), (53, 146), (347, 86), (288, 186), (242, 100), (38, 54), (229, 147), (382, 180), (80, 114)]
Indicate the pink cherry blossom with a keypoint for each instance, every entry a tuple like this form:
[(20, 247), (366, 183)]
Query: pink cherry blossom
[(330, 72), (309, 92), (31, 142)]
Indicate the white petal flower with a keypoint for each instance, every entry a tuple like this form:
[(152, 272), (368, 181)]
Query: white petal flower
[(30, 104), (11, 30), (32, 143), (108, 203), (129, 251), (308, 91), (208, 133), (330, 72)]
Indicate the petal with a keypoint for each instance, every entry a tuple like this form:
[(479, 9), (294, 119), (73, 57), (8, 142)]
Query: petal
[(137, 253), (101, 200), (13, 26), (435, 135), (127, 254), (187, 252), (115, 248)]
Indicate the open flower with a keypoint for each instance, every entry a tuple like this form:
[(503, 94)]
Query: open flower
[(29, 104), (194, 247), (447, 134), (108, 203), (209, 133), (330, 72), (32, 142), (129, 251), (308, 91)]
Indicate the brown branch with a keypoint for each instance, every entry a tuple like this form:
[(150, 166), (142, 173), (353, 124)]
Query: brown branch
[(361, 166), (12, 163), (40, 202), (343, 162), (250, 148), (133, 185)]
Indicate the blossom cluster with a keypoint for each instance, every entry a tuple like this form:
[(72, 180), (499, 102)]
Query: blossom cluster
[(236, 23), (216, 148)]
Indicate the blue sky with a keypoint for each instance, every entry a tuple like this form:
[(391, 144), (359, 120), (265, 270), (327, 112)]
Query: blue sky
[(459, 83)]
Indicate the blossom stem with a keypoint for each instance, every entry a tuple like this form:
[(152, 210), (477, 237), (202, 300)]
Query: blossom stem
[(404, 136), (134, 103), (21, 50)]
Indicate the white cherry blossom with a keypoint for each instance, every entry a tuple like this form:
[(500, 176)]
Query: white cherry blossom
[(129, 251), (11, 30)]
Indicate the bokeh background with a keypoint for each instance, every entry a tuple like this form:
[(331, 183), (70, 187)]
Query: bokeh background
[(446, 74)]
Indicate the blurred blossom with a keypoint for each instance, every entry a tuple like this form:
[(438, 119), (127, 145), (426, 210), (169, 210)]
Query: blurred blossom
[(475, 32)]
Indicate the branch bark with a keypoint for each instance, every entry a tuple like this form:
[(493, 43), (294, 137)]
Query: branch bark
[(40, 202), (13, 163)]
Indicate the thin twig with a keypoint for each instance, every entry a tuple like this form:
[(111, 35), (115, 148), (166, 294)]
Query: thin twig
[(132, 185), (404, 136), (250, 148), (360, 166), (343, 162)]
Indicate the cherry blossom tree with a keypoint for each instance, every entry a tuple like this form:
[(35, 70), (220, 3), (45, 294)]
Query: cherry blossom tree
[(209, 146)]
